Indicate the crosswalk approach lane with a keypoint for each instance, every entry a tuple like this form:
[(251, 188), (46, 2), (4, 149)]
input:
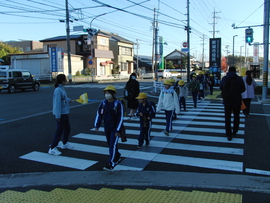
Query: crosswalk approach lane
[(198, 130)]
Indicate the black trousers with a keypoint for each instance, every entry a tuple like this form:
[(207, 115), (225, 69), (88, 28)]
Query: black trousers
[(229, 109), (247, 104)]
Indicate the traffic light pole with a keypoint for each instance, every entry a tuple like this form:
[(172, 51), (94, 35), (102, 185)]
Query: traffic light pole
[(266, 49)]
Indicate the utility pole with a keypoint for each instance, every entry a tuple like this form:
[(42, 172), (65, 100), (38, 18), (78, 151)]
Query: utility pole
[(266, 48), (68, 44), (137, 69), (188, 43), (203, 53), (227, 51), (214, 23), (153, 45)]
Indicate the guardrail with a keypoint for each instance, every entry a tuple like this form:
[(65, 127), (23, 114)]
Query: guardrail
[(96, 78), (157, 86)]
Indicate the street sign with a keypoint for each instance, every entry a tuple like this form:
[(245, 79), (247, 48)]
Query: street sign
[(185, 49), (77, 28), (90, 62), (185, 44), (90, 57)]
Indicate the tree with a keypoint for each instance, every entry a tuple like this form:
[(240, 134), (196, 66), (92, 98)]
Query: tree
[(169, 65), (5, 50)]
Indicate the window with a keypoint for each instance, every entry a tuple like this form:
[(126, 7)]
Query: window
[(26, 74), (103, 41), (17, 74), (3, 74), (124, 66), (126, 51)]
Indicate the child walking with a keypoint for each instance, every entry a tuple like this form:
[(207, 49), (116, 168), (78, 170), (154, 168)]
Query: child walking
[(183, 92), (111, 111), (168, 100), (146, 112)]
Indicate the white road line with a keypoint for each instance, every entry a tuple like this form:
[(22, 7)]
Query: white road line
[(200, 162), (64, 161), (162, 144), (256, 171), (210, 138)]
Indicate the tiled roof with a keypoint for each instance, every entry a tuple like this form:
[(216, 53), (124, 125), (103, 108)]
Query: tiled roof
[(59, 38)]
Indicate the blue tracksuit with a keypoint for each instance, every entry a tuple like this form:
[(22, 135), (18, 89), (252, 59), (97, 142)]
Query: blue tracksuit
[(145, 124), (113, 115)]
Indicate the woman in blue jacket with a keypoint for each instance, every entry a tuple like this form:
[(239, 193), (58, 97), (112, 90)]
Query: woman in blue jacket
[(60, 111)]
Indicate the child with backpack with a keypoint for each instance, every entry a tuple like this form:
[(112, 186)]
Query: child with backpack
[(146, 112), (183, 92), (168, 100), (111, 111)]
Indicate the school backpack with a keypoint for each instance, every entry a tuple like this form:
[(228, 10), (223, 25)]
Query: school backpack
[(154, 106)]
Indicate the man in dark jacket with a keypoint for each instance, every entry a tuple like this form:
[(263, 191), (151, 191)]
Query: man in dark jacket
[(232, 86)]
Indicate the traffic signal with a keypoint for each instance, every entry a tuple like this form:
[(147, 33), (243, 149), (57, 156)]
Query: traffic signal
[(249, 35), (91, 31)]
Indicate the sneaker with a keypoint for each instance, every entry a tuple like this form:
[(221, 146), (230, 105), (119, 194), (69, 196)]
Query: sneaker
[(118, 161), (54, 151), (108, 168), (166, 133), (67, 146), (139, 146)]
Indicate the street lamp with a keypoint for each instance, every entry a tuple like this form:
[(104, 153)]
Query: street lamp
[(233, 47), (241, 56)]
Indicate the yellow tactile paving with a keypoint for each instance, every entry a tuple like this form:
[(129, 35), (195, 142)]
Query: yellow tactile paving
[(82, 195)]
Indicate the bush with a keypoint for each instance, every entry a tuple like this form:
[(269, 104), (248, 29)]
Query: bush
[(78, 73)]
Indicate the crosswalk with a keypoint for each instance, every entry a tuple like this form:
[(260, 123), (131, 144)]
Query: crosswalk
[(102, 86), (197, 141)]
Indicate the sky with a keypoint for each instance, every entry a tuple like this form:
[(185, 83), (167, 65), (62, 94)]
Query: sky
[(133, 20)]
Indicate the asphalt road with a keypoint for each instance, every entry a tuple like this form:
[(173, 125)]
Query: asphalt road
[(27, 125)]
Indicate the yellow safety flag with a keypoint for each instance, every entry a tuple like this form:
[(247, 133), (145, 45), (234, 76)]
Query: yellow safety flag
[(83, 99)]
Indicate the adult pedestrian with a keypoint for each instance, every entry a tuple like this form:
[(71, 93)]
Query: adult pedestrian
[(232, 86), (133, 90), (194, 88), (183, 93), (247, 96), (168, 100), (60, 111), (111, 111), (211, 82)]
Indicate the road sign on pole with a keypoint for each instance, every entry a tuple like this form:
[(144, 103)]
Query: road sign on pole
[(185, 44)]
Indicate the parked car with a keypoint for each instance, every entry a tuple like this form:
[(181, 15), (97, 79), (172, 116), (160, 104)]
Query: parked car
[(14, 79), (164, 73)]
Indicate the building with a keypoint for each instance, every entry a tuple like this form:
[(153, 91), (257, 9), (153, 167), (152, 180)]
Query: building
[(177, 58), (26, 45), (123, 52), (104, 54), (144, 64)]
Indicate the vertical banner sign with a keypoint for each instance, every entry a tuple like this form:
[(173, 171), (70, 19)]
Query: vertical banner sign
[(215, 58), (60, 59), (256, 53), (161, 63), (53, 59), (56, 61)]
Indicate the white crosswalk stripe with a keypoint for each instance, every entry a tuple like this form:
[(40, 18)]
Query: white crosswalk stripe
[(199, 130), (102, 86)]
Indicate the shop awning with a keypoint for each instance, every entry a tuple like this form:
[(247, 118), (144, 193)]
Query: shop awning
[(109, 62), (103, 64)]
